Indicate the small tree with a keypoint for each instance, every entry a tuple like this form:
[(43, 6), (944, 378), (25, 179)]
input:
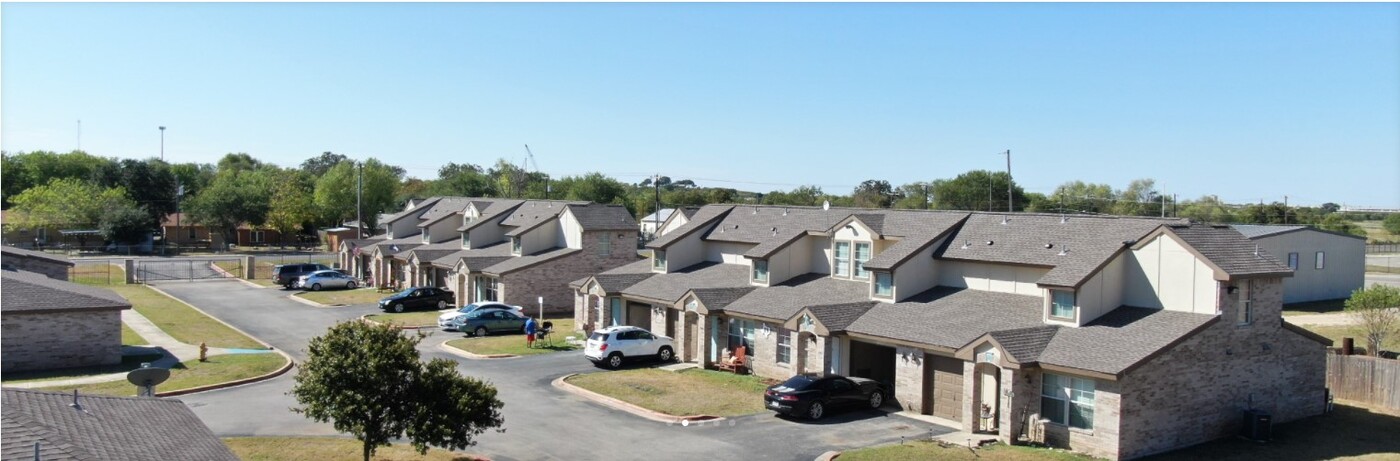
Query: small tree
[(125, 223), (1377, 312), (368, 381)]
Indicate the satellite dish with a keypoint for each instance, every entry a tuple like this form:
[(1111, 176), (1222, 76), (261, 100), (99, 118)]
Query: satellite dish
[(826, 204), (146, 378)]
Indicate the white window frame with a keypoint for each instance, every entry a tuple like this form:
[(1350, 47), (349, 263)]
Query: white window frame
[(604, 244), (466, 240), (515, 246), (1073, 309), (1245, 316), (1320, 260), (256, 236), (889, 287), (857, 263), (1070, 392), (484, 289), (743, 331), (424, 233), (760, 271), (783, 353), (839, 266), (658, 260), (1293, 260)]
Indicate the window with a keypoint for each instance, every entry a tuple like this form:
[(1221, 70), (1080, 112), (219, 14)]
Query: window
[(604, 244), (1246, 303), (424, 233), (485, 289), (257, 236), (1067, 400), (43, 234), (884, 284), (1062, 304), (784, 346), (842, 259), (658, 259), (862, 255), (466, 240), (515, 246), (192, 234), (741, 332), (760, 270), (1321, 260), (1293, 261)]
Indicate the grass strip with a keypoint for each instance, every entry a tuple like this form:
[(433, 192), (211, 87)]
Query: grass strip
[(323, 448), (684, 393), (193, 373), (182, 322)]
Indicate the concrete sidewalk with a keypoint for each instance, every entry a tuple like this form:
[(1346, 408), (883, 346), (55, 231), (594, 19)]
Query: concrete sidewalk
[(157, 341)]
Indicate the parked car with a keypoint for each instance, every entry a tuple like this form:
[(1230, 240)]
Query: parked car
[(417, 298), (315, 281), (612, 346), (445, 320), (811, 395), (482, 322), (288, 274)]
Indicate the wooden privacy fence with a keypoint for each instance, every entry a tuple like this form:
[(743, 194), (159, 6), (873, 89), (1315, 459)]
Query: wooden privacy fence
[(1371, 380)]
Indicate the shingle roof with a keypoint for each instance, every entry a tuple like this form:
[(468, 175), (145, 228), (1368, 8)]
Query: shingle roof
[(836, 317), (23, 291), (7, 251), (1120, 339), (404, 249), (533, 213), (779, 302), (394, 246), (659, 216), (444, 207), (1229, 250), (415, 211), (702, 218), (689, 211), (105, 428), (1252, 231), (477, 258), (717, 299), (449, 260), (1024, 345), (950, 317), (759, 224), (671, 286), (522, 262), (491, 212), (621, 277), (429, 253), (597, 216), (1077, 245)]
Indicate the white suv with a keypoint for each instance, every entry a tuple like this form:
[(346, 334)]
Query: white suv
[(613, 345)]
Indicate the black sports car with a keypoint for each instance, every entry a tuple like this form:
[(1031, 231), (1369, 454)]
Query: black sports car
[(813, 395)]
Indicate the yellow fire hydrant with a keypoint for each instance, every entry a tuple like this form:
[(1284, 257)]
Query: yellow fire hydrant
[(203, 352)]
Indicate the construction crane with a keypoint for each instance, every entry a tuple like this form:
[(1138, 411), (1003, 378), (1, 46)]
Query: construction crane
[(522, 175)]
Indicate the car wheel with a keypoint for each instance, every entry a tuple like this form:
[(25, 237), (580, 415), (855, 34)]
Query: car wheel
[(815, 411), (665, 354), (350, 286), (398, 307), (442, 304), (287, 286), (315, 287), (615, 360), (481, 331), (877, 399)]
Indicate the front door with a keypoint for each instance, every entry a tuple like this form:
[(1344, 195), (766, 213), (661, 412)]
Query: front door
[(615, 316), (989, 397)]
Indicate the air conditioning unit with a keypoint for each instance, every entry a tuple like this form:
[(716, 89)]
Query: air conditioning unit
[(1258, 425)]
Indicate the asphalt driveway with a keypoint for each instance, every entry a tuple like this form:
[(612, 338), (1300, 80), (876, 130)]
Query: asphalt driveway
[(541, 422)]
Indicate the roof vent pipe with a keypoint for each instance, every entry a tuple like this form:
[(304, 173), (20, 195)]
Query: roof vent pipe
[(1064, 219), (1064, 250), (966, 244), (1003, 220)]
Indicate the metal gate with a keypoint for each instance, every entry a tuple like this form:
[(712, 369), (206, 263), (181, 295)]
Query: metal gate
[(156, 270)]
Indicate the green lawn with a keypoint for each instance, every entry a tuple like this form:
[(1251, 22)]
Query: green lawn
[(193, 373), (322, 448), (180, 321), (407, 319), (685, 393), (1375, 231), (923, 450), (1336, 333), (130, 337), (514, 343), (128, 363), (97, 274), (345, 297), (1350, 432), (1314, 307)]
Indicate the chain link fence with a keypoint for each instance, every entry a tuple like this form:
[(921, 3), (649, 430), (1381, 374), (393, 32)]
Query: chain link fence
[(97, 272)]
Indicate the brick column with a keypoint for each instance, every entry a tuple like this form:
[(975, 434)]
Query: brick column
[(909, 378), (130, 266), (248, 272)]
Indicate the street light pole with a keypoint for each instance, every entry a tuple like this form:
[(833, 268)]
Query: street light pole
[(1008, 180), (162, 144)]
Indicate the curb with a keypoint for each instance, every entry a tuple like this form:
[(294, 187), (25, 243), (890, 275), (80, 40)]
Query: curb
[(828, 456), (628, 407), (311, 303), (365, 318), (237, 382), (221, 270), (468, 355), (216, 319)]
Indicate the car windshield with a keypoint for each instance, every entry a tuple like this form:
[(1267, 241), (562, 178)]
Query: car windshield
[(406, 292), (599, 336), (799, 382)]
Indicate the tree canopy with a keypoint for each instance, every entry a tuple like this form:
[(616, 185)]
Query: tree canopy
[(1376, 310)]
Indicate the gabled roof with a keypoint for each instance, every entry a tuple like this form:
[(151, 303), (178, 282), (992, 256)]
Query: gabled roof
[(7, 251), (104, 428), (779, 302), (524, 262), (949, 318), (1256, 231), (1121, 339), (491, 212), (429, 253), (717, 299), (1024, 345), (417, 210), (660, 216), (443, 207), (597, 217), (394, 246), (834, 317), (934, 227), (703, 218), (671, 286), (619, 278), (534, 213), (1229, 251), (29, 292)]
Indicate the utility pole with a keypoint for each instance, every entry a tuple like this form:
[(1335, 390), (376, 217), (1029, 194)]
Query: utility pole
[(656, 216), (1285, 209), (162, 144), (1008, 180), (359, 199)]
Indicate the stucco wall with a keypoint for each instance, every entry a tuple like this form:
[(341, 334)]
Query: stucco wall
[(60, 339), (1000, 278), (1164, 274)]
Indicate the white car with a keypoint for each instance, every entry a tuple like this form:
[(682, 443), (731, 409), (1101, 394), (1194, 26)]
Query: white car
[(315, 281), (612, 346), (445, 320)]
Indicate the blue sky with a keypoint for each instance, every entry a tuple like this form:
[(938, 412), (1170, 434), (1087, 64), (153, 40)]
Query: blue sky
[(1245, 101)]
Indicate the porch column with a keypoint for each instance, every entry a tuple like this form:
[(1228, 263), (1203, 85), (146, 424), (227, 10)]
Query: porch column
[(1020, 396), (909, 378)]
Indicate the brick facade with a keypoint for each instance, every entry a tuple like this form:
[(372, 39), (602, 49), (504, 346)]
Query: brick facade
[(51, 269), (551, 279), (48, 340)]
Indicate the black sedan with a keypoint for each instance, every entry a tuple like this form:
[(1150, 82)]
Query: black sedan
[(417, 298), (813, 395)]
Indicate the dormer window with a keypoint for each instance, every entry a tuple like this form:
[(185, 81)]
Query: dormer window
[(1062, 305), (466, 240), (658, 260), (515, 246), (862, 255), (425, 235), (842, 259), (884, 284), (760, 270)]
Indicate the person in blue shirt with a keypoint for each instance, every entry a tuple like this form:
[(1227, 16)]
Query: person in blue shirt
[(530, 332)]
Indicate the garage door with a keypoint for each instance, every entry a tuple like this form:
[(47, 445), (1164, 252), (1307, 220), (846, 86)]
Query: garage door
[(943, 385)]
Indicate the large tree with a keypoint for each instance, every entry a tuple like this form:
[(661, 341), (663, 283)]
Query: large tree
[(66, 203), (465, 180), (1082, 197), (977, 190), (25, 170), (367, 381), (1376, 311), (1206, 209), (592, 187), (875, 193), (125, 224), (150, 183), (291, 207), (335, 191), (234, 198), (320, 164)]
